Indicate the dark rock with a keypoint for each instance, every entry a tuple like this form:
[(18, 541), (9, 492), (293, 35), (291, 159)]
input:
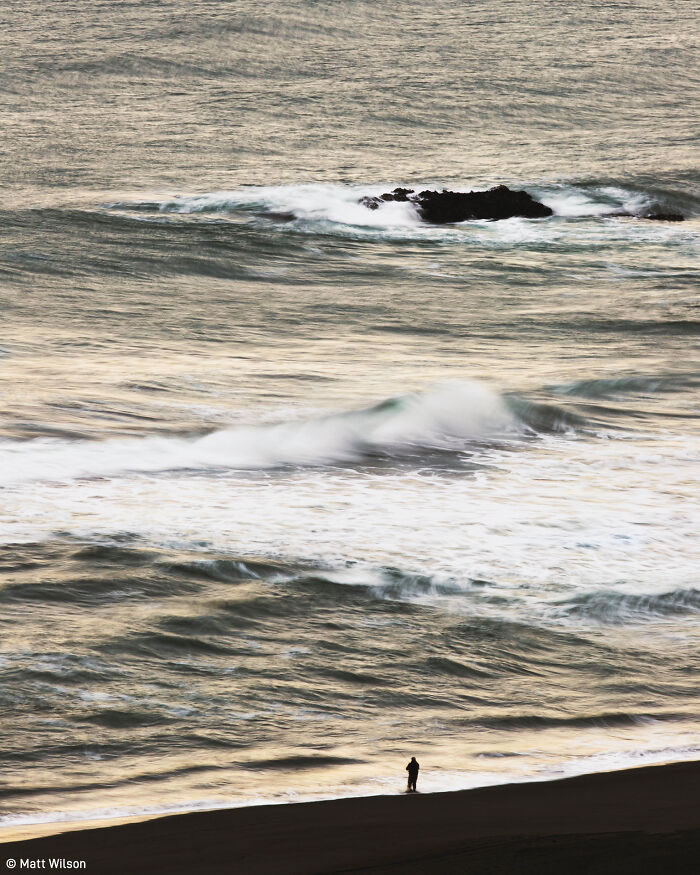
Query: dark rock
[(653, 215), (443, 207), (274, 216), (496, 203), (398, 194), (664, 217)]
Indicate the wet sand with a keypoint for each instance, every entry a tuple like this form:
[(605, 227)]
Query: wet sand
[(637, 821)]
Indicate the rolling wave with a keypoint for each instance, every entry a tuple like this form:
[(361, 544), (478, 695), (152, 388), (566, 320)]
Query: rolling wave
[(616, 608), (630, 385), (452, 417)]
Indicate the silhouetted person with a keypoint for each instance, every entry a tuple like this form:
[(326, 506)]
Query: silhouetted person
[(412, 769)]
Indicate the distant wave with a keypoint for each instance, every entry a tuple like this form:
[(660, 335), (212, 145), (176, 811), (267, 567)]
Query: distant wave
[(629, 385), (604, 719), (451, 417), (616, 607)]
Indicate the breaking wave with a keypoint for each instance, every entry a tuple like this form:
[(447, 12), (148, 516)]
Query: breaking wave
[(452, 417), (332, 206)]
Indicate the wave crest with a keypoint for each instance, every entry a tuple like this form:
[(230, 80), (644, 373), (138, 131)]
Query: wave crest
[(452, 417), (616, 608)]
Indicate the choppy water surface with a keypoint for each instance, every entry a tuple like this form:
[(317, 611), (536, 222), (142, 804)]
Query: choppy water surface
[(291, 490)]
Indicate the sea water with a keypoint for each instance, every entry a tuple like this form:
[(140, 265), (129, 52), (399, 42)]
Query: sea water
[(291, 490)]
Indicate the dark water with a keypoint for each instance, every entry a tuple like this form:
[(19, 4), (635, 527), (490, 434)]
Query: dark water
[(291, 490)]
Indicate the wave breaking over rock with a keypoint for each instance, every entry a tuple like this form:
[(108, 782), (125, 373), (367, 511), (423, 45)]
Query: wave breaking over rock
[(446, 207), (500, 202)]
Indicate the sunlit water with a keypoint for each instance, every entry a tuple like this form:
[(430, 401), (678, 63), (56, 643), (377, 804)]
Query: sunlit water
[(292, 490)]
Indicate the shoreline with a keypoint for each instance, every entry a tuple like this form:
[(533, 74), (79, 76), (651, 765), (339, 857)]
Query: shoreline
[(88, 820), (621, 821)]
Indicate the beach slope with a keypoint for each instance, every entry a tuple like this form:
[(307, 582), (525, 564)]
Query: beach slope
[(644, 820)]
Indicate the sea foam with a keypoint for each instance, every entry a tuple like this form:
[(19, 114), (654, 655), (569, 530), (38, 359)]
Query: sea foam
[(446, 417)]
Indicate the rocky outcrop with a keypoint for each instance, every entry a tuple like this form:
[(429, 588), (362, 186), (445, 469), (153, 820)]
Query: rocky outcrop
[(443, 207), (664, 217)]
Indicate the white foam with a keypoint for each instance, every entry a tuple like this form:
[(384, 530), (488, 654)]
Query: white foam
[(542, 525), (444, 418), (318, 203), (336, 209), (570, 202)]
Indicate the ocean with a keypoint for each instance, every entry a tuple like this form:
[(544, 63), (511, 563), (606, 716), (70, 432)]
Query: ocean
[(292, 490)]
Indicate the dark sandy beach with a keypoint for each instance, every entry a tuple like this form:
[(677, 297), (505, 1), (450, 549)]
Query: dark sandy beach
[(637, 821)]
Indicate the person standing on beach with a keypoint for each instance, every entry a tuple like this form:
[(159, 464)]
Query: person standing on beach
[(412, 769)]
